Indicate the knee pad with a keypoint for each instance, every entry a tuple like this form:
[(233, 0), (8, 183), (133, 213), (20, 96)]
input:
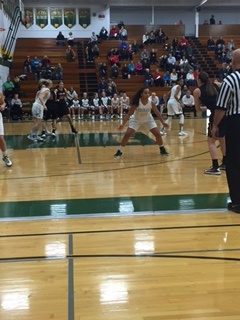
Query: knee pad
[(169, 120), (181, 119)]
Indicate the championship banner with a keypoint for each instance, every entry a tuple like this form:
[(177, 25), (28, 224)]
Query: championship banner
[(84, 17), (56, 17), (69, 17), (41, 17)]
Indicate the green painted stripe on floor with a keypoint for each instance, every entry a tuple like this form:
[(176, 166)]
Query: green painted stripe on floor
[(126, 205), (67, 141)]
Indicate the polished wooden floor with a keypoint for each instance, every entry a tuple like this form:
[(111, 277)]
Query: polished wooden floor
[(177, 264)]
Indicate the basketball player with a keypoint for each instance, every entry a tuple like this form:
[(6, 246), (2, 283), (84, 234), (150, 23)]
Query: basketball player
[(3, 146)]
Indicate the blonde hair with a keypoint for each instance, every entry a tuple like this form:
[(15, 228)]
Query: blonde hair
[(44, 82)]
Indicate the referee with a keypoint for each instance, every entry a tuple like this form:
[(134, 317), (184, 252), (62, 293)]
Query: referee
[(228, 103)]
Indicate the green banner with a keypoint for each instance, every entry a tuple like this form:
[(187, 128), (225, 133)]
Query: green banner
[(56, 17), (41, 17), (69, 17), (84, 17)]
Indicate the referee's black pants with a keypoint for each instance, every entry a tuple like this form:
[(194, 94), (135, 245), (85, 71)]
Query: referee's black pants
[(233, 157)]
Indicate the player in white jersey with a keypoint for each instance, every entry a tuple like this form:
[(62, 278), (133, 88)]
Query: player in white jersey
[(174, 106), (75, 107), (124, 104), (140, 112), (39, 106), (3, 146)]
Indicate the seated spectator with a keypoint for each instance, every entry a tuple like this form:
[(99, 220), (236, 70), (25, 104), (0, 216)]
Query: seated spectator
[(221, 42), (139, 68), (70, 54), (181, 75), (103, 34), (38, 72), (148, 78), (166, 79), (103, 71), (153, 56), (189, 104), (94, 38), (223, 72), (8, 88), (183, 61), (122, 45), (211, 44), (130, 52), (16, 82), (113, 59), (152, 37), (35, 63), (171, 60), (191, 81), (175, 43), (229, 55), (144, 55), (183, 45), (163, 62), (157, 77), (16, 108), (154, 98), (114, 71), (218, 52), (123, 33), (27, 65), (160, 36), (113, 85), (45, 61), (58, 72), (135, 47), (131, 68), (95, 51), (102, 86), (113, 33), (60, 40), (231, 45), (125, 72), (71, 94), (70, 39), (145, 39)]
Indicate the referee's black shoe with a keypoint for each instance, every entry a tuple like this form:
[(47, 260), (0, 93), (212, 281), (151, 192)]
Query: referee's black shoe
[(234, 208)]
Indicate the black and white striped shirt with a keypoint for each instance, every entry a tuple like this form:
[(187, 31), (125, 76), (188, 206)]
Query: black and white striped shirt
[(229, 95)]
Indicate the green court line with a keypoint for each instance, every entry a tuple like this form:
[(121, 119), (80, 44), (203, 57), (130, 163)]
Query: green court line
[(121, 205), (21, 142)]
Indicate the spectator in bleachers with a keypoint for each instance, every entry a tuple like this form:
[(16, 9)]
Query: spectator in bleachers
[(189, 104), (154, 98), (145, 39), (183, 45), (70, 39), (163, 62), (131, 68), (231, 45), (152, 37), (135, 47), (93, 38), (212, 20), (211, 44), (112, 84), (95, 51), (166, 79), (193, 62), (218, 52), (70, 54), (102, 86), (229, 55), (103, 34), (35, 63), (183, 61), (191, 81), (148, 79), (175, 43), (145, 64), (125, 72), (157, 78), (223, 72), (58, 72), (153, 56), (113, 33), (163, 103), (114, 71), (27, 65), (103, 70), (60, 40), (130, 52), (171, 61), (123, 33), (8, 88), (16, 108), (123, 54), (160, 36), (144, 55), (221, 42), (139, 68), (45, 61)]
